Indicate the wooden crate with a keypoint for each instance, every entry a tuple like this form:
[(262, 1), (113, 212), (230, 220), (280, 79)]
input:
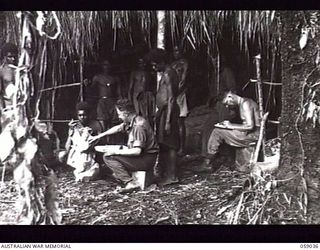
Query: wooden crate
[(144, 178)]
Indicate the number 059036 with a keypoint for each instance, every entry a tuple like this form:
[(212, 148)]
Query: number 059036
[(309, 245)]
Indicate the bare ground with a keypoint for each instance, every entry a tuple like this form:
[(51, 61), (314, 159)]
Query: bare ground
[(206, 198)]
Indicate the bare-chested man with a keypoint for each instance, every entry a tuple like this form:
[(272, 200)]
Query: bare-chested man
[(167, 128), (234, 134), (139, 92), (7, 82), (7, 74), (181, 66), (109, 91)]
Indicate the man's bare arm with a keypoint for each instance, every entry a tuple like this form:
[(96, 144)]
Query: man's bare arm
[(182, 84), (68, 144), (170, 97), (1, 81), (248, 115), (185, 69), (111, 131)]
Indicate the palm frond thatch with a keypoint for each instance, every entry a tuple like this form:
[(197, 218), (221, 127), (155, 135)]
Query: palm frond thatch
[(81, 33)]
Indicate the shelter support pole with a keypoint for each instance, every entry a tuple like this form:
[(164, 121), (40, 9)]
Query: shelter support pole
[(161, 18), (260, 97), (81, 72)]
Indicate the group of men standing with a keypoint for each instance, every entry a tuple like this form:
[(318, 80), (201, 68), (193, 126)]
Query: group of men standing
[(154, 123)]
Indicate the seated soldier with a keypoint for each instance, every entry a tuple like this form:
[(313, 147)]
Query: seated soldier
[(81, 155), (234, 134), (141, 152), (218, 114)]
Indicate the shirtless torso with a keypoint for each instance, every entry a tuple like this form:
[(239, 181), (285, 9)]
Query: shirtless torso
[(249, 112), (138, 82), (168, 87), (107, 85), (7, 87), (181, 67)]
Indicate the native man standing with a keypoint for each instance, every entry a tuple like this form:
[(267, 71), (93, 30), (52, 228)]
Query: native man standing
[(167, 127), (9, 54), (180, 65), (139, 92)]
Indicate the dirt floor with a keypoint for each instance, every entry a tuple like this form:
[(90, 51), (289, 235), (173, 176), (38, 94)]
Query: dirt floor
[(225, 196), (200, 198)]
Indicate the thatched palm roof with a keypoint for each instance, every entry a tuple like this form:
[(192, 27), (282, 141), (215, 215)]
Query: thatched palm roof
[(84, 28), (81, 33)]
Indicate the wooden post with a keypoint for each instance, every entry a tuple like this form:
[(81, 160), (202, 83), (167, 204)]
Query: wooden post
[(161, 15), (81, 72), (261, 137), (161, 29), (260, 97)]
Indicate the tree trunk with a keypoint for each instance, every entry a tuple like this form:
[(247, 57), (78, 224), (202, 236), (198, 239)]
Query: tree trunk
[(299, 155)]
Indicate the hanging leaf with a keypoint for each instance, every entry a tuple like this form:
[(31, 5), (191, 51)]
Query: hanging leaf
[(303, 38), (316, 84), (312, 107), (315, 117), (313, 23), (317, 60)]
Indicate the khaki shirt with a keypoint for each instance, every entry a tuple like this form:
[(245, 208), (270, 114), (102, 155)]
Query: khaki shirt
[(140, 134)]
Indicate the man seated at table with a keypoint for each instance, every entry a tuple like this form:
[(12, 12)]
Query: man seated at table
[(141, 152)]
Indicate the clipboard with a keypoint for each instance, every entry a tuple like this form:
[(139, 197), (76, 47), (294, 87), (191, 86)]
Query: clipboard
[(218, 125), (107, 148)]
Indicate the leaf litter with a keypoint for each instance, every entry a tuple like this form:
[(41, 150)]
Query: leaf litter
[(199, 198)]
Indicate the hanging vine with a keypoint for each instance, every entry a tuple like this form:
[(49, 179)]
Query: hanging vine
[(36, 184)]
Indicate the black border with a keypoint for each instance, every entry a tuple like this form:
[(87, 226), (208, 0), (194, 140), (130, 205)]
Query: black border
[(192, 233), (174, 234), (159, 5)]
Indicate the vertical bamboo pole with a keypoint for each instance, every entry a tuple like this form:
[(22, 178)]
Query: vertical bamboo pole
[(218, 71), (260, 97), (8, 30), (161, 15), (53, 96), (81, 72), (161, 29), (161, 20)]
